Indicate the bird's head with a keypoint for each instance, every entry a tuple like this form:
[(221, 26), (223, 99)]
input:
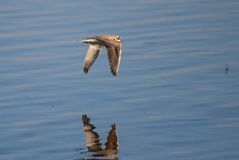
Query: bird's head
[(117, 38)]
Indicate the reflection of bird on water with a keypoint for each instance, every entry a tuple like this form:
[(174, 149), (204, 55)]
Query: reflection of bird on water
[(93, 140), (113, 46)]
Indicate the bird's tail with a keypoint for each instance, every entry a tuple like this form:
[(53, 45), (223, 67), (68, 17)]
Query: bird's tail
[(89, 40)]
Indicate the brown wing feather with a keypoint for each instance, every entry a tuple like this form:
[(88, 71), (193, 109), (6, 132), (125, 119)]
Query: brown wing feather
[(91, 55), (92, 138), (114, 56), (112, 139)]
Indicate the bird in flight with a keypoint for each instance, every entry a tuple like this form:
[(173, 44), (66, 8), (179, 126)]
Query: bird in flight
[(93, 139), (113, 45)]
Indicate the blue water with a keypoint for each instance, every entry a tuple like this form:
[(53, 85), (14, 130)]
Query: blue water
[(173, 98)]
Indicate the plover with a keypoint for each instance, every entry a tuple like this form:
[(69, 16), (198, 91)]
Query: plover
[(113, 45)]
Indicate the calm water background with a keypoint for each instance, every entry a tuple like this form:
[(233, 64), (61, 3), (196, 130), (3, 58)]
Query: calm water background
[(172, 98)]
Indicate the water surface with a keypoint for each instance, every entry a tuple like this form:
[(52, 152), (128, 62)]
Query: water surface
[(173, 98)]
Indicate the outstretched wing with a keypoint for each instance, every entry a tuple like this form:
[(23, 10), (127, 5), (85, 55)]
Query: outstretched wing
[(92, 138), (112, 139), (91, 55), (114, 56)]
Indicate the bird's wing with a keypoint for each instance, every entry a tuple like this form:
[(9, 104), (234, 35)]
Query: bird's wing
[(112, 139), (91, 55), (92, 138), (114, 56)]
